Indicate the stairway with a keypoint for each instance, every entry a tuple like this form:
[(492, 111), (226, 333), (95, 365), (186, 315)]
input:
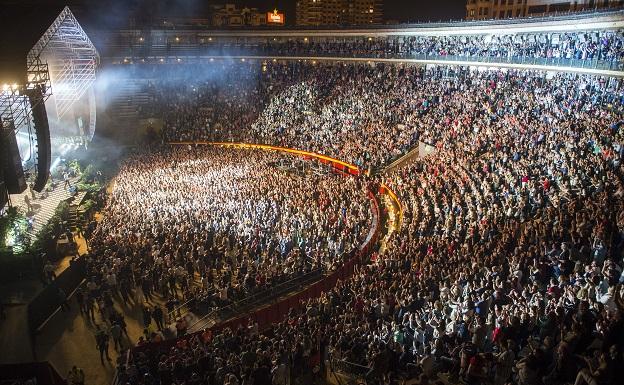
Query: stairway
[(47, 208), (126, 106), (130, 99), (76, 216)]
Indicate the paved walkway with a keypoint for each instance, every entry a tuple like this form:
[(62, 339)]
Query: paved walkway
[(69, 339)]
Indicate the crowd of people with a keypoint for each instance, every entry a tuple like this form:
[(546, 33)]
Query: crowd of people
[(601, 45), (508, 265), (214, 226), (365, 114), (595, 45)]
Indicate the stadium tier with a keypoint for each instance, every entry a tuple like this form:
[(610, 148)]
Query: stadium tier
[(592, 41), (423, 204)]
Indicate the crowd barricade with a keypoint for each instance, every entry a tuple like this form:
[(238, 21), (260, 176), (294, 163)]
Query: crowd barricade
[(278, 311), (48, 300), (261, 297)]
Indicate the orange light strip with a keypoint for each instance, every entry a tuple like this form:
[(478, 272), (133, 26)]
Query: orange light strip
[(276, 148), (395, 198)]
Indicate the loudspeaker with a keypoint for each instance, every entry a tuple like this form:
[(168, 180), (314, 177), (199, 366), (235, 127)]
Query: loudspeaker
[(14, 180), (4, 198), (42, 128)]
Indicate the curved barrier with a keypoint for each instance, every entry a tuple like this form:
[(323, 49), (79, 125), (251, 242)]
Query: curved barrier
[(277, 311), (384, 189), (335, 163)]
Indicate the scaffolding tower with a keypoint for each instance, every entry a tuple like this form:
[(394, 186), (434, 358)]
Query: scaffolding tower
[(71, 58)]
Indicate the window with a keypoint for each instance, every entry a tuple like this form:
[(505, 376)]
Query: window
[(536, 9), (559, 7)]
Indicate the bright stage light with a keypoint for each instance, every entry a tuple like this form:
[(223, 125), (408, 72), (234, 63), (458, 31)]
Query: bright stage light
[(5, 87)]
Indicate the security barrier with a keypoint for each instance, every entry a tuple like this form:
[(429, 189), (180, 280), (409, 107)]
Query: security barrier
[(46, 303)]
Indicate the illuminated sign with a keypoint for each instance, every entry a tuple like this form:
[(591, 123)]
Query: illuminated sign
[(275, 17)]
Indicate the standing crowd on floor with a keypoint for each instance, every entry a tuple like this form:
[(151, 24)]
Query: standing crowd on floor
[(212, 226)]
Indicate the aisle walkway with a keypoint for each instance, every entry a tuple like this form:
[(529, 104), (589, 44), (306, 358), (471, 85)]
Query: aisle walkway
[(69, 339)]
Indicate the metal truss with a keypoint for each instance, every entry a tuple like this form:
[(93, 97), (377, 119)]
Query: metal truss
[(14, 106), (71, 57)]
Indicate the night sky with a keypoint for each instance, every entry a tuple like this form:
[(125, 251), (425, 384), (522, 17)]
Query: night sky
[(400, 10), (110, 14)]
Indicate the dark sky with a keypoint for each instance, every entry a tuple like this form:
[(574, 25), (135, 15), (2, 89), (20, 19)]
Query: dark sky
[(117, 13), (401, 10)]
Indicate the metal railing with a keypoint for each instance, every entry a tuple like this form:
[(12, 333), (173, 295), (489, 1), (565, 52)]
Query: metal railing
[(356, 373), (201, 53), (258, 298), (178, 309)]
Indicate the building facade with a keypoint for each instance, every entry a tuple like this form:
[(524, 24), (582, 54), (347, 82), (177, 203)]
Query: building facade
[(228, 15), (504, 9), (339, 12)]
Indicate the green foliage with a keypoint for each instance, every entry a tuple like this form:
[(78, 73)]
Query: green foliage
[(13, 231), (75, 165), (89, 174), (87, 205), (88, 187), (48, 231), (62, 211)]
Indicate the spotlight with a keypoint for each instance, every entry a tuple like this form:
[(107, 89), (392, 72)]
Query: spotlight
[(5, 87)]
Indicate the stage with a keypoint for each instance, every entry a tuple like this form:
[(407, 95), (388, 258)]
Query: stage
[(44, 204)]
